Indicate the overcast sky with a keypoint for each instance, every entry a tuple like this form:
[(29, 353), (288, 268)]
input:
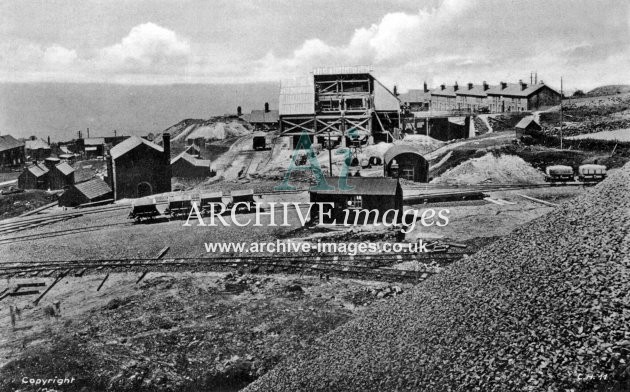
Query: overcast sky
[(407, 42)]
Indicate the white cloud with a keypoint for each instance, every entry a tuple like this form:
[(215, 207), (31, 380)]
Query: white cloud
[(147, 46), (58, 56)]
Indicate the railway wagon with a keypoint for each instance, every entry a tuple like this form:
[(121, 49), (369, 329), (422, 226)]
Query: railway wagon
[(260, 141), (210, 201), (559, 173), (242, 196), (144, 209), (592, 173), (179, 206)]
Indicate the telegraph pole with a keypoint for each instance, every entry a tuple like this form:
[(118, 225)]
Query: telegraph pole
[(561, 113)]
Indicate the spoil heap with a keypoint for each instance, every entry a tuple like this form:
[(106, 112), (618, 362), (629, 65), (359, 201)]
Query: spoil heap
[(546, 308), (503, 169)]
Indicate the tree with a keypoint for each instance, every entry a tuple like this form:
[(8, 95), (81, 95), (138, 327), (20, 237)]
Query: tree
[(578, 93)]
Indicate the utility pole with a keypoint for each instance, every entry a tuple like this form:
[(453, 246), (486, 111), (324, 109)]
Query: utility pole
[(330, 154), (561, 113)]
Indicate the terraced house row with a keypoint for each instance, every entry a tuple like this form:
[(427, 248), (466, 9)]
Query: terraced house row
[(476, 98)]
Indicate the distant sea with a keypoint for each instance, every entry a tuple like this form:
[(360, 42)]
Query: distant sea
[(59, 110)]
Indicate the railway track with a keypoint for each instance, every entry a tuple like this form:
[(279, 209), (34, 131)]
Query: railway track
[(372, 267)]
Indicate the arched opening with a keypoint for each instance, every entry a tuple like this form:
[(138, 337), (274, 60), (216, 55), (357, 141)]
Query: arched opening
[(144, 189)]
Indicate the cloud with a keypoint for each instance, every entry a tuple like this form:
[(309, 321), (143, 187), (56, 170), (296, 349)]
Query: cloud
[(146, 47), (58, 56)]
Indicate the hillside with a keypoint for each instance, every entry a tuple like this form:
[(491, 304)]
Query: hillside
[(213, 129), (610, 89)]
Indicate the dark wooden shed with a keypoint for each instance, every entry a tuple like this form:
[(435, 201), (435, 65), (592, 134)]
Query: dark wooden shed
[(34, 177), (91, 191), (405, 161), (367, 193)]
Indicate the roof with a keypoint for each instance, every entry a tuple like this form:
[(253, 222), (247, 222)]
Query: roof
[(398, 149), (515, 90), (37, 170), (94, 141), (362, 186), (66, 156), (93, 188), (262, 117), (131, 143), (65, 150), (415, 95), (297, 96), (64, 168), (525, 121), (352, 69), (449, 91), (37, 144), (475, 91), (8, 142), (191, 159), (384, 99)]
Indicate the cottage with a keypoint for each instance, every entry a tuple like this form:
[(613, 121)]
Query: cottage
[(138, 168), (187, 166), (37, 149), (11, 151), (366, 193), (263, 120), (34, 177), (417, 100), (444, 97), (92, 191), (405, 161), (519, 97)]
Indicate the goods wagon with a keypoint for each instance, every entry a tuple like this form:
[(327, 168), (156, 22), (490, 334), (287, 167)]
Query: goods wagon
[(210, 201), (591, 173), (179, 206), (144, 209), (559, 173)]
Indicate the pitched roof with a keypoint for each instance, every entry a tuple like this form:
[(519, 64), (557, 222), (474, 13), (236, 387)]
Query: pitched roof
[(192, 160), (37, 170), (37, 144), (415, 95), (131, 143), (362, 186), (65, 150), (94, 141), (449, 91), (475, 91), (384, 99), (64, 168), (8, 142), (262, 117), (525, 121), (515, 90), (93, 188), (398, 149)]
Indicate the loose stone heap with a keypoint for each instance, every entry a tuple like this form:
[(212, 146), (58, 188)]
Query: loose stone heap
[(546, 308)]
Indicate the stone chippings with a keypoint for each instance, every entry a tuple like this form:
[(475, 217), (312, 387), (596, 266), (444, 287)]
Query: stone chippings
[(546, 308)]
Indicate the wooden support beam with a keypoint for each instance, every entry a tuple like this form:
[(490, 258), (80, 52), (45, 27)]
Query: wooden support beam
[(142, 276), (36, 302), (102, 282), (539, 201)]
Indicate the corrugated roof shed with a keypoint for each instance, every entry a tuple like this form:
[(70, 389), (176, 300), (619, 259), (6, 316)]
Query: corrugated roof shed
[(297, 96), (64, 168), (93, 188), (8, 142), (398, 149), (262, 117), (362, 186), (130, 144), (37, 144)]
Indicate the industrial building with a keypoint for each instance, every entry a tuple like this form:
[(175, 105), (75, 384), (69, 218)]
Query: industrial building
[(369, 193), (263, 120), (188, 166), (52, 174), (34, 177), (335, 101), (37, 149), (405, 161), (91, 191), (138, 168), (11, 151)]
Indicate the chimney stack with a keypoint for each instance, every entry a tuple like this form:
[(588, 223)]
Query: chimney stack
[(239, 111), (442, 86), (503, 85), (470, 86), (523, 85), (266, 107), (536, 78), (426, 89), (485, 85), (88, 133), (49, 140), (166, 145), (455, 87)]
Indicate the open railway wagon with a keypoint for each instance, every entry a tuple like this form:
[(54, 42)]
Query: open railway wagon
[(559, 173), (145, 208), (260, 141), (243, 196), (591, 173), (179, 206), (210, 201)]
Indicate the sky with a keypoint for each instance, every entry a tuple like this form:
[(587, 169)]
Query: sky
[(587, 42)]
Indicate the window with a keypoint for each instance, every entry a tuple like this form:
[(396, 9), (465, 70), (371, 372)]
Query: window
[(355, 202), (407, 173)]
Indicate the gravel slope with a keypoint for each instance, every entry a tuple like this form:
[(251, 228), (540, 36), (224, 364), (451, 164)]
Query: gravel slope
[(546, 308)]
